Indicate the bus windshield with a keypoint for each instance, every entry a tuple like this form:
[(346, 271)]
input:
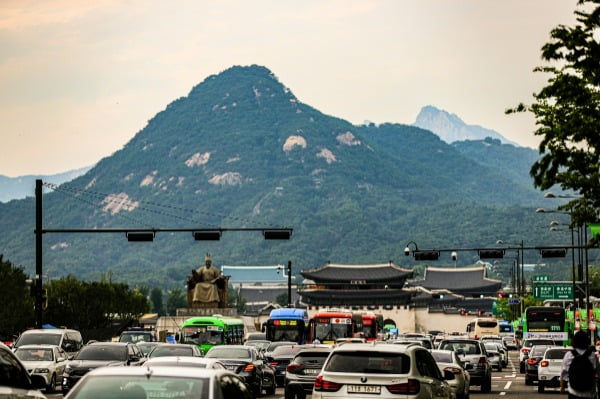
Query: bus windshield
[(200, 335)]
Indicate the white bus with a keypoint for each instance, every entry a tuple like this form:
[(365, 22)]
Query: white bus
[(480, 326)]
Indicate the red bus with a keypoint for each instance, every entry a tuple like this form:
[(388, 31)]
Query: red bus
[(367, 325), (328, 326)]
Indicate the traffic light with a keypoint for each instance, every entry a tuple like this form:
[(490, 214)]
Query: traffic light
[(491, 253), (553, 253), (426, 255)]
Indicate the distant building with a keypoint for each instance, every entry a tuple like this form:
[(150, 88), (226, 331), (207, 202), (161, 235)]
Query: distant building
[(355, 285)]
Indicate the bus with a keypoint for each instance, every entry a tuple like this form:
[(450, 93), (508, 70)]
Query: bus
[(546, 322), (287, 324), (208, 331), (506, 329), (328, 326), (368, 325), (480, 326)]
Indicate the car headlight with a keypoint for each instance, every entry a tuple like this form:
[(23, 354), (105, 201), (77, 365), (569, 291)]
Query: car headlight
[(41, 371)]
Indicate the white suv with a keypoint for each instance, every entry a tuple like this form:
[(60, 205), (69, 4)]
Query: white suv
[(384, 370), (550, 366)]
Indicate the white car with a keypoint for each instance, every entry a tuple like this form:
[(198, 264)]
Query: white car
[(550, 366), (15, 382), (382, 371), (159, 382), (47, 361)]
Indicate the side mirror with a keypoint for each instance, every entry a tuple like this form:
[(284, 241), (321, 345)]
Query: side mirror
[(468, 366), (448, 375)]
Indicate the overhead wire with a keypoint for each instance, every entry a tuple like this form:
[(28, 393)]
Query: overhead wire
[(76, 193)]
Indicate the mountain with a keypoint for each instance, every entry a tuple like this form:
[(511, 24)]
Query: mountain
[(23, 186), (451, 128), (241, 151)]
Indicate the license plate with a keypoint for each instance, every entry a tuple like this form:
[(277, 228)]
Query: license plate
[(311, 371), (375, 389)]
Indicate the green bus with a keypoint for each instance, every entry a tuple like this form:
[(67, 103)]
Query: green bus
[(546, 322), (208, 331)]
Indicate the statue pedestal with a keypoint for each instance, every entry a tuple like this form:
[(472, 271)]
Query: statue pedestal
[(193, 312)]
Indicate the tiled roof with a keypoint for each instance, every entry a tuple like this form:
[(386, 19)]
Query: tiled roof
[(465, 280), (356, 297), (376, 273)]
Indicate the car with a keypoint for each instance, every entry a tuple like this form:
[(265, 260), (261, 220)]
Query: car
[(280, 358), (526, 347), (472, 351), (502, 351), (136, 335), (185, 361), (532, 362), (69, 340), (387, 371), (47, 361), (253, 336), (145, 346), (550, 366), (494, 356), (15, 381), (159, 382), (510, 343), (163, 349), (261, 344), (355, 340), (96, 355), (301, 372), (249, 364), (448, 360)]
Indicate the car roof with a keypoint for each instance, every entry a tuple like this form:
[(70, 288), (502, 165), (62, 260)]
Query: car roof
[(32, 346), (110, 343), (370, 347), (182, 359), (167, 371)]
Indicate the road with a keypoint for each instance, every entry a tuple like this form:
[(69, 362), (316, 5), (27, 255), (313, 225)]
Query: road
[(509, 382)]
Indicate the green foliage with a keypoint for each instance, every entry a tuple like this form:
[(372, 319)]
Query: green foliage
[(235, 300), (176, 299), (282, 300), (91, 306), (156, 297), (16, 312), (567, 112)]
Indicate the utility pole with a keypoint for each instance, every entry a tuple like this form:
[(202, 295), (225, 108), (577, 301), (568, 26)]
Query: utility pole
[(38, 253), (289, 275)]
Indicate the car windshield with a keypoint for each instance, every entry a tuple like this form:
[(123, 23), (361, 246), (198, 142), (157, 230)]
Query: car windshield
[(466, 347), (39, 339), (102, 352), (368, 362), (135, 337), (168, 350), (555, 353), (313, 359), (228, 353), (141, 387), (444, 357), (34, 354), (285, 350)]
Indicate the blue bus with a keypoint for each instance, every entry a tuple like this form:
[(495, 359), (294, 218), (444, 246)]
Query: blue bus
[(506, 328), (287, 324)]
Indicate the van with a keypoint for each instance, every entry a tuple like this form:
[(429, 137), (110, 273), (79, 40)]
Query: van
[(481, 326), (69, 340)]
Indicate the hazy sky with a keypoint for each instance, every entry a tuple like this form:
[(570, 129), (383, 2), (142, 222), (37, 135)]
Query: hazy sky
[(78, 79)]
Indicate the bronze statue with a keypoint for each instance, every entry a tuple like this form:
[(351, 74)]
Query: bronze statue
[(204, 285)]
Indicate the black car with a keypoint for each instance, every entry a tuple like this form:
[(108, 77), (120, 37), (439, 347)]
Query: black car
[(249, 364), (279, 358), (99, 354), (532, 362), (163, 349), (303, 370)]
